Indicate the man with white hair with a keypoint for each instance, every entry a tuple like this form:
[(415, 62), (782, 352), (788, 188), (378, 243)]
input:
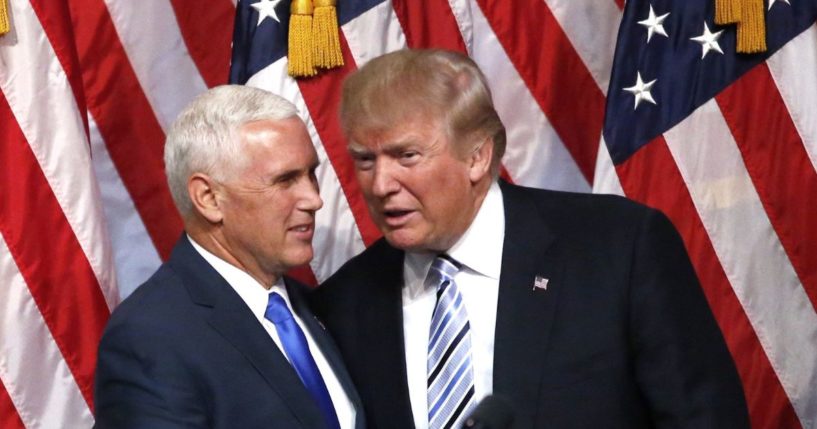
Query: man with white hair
[(217, 337)]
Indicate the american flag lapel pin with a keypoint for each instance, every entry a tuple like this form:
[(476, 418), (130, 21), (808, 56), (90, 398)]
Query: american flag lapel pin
[(540, 282)]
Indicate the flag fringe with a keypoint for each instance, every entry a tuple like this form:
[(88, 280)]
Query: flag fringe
[(326, 44), (301, 62), (5, 22), (750, 19)]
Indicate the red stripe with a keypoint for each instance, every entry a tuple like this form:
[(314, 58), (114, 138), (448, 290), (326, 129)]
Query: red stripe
[(126, 121), (651, 177), (779, 166), (429, 24), (9, 419), (322, 97), (207, 30), (49, 257), (554, 73), (620, 4), (56, 22), (304, 275)]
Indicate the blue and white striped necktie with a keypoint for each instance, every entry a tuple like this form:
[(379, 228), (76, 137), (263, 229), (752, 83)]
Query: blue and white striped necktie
[(450, 371)]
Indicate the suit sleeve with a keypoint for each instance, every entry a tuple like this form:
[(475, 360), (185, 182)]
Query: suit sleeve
[(682, 364), (141, 383)]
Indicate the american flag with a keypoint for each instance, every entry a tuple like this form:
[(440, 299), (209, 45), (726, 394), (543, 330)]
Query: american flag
[(89, 87)]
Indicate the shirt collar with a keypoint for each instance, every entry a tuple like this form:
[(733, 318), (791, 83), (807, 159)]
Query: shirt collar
[(480, 248), (251, 291)]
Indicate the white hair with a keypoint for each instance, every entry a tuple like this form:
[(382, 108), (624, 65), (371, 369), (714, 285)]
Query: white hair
[(204, 137)]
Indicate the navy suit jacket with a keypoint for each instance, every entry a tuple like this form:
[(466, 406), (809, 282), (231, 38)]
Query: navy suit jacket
[(622, 337), (185, 351)]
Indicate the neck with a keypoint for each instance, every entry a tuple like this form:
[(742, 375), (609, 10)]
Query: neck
[(213, 242)]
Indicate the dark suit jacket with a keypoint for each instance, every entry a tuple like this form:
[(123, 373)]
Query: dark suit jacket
[(622, 338), (185, 351)]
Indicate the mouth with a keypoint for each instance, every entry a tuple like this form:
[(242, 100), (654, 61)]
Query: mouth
[(303, 229), (396, 217)]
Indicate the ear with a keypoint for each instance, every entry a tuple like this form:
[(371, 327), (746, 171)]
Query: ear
[(479, 162), (203, 194)]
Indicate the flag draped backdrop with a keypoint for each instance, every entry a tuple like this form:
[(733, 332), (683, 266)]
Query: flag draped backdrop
[(724, 143)]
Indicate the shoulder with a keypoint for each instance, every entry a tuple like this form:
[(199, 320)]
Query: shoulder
[(378, 258), (156, 312), (569, 211)]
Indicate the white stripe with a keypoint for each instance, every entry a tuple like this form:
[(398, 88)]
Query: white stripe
[(592, 27), (535, 156), (461, 9), (605, 179), (792, 68), (157, 52), (41, 99), (751, 254), (336, 235), (32, 369), (373, 33), (134, 253)]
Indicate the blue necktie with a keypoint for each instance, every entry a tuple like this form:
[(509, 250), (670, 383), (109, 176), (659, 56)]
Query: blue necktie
[(297, 349), (450, 371)]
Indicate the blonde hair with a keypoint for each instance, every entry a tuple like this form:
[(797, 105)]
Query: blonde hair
[(424, 84)]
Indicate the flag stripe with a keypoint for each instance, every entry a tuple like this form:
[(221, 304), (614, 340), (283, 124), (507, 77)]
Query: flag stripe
[(126, 121), (781, 172), (135, 256), (378, 23), (209, 49), (9, 418), (651, 177), (592, 27), (799, 92), (162, 64), (429, 24), (36, 230), (33, 81), (574, 106), (534, 156), (322, 96), (336, 234), (37, 379), (56, 24), (750, 252)]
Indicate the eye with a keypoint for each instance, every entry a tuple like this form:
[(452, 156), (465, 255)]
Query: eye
[(287, 179), (363, 161), (409, 157)]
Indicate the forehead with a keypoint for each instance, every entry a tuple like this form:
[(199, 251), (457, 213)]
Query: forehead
[(277, 142), (417, 132)]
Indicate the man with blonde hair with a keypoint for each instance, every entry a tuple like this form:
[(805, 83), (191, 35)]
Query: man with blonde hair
[(218, 337), (581, 310)]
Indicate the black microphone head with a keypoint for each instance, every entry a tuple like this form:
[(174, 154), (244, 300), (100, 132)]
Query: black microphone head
[(493, 412)]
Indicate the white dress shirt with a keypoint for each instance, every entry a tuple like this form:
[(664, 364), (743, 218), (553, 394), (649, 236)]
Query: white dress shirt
[(479, 251), (256, 297)]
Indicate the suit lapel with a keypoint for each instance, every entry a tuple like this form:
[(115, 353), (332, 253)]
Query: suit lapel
[(524, 313), (327, 346), (381, 322), (229, 315)]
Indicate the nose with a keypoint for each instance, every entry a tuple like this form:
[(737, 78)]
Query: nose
[(384, 182), (310, 196)]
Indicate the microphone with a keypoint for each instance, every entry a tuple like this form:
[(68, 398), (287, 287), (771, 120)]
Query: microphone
[(493, 412)]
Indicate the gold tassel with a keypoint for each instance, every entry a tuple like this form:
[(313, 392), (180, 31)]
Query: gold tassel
[(326, 45), (752, 27), (301, 62), (5, 23), (727, 11), (751, 20)]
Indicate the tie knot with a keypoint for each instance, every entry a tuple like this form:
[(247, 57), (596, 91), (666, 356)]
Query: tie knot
[(277, 310), (443, 268)]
